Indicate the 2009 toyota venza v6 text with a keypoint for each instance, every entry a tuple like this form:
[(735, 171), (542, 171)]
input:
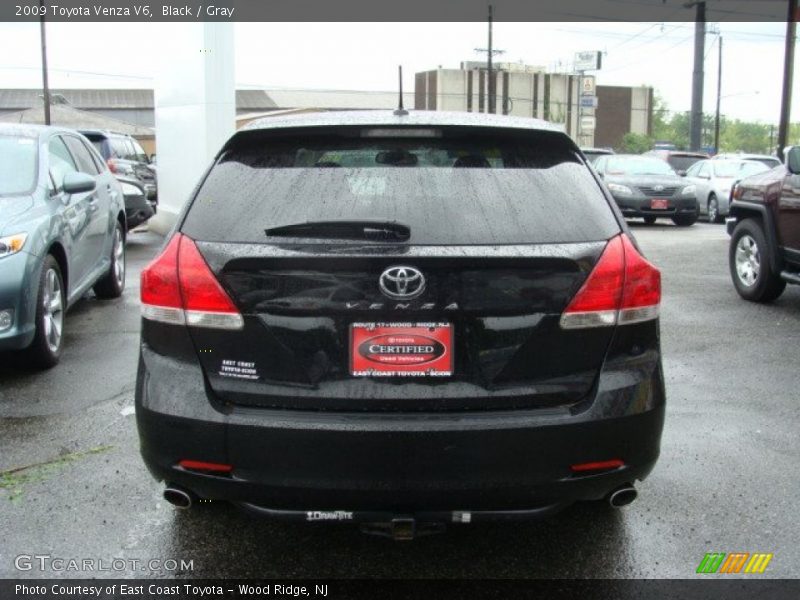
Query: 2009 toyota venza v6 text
[(400, 318)]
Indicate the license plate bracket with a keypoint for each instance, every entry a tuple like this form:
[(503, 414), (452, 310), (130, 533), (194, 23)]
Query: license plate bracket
[(407, 349)]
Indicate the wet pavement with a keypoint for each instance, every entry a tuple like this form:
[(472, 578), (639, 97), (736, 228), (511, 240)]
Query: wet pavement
[(73, 485)]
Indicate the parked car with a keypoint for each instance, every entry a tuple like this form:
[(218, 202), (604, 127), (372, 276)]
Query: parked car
[(764, 251), (125, 157), (592, 154), (714, 180), (647, 187), (769, 161), (62, 231), (138, 209), (432, 317), (679, 160)]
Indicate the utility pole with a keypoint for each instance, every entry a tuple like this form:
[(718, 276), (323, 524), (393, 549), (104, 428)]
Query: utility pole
[(490, 52), (45, 85), (696, 126), (788, 68), (719, 96)]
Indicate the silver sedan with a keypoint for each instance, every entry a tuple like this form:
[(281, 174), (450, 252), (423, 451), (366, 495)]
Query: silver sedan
[(713, 180)]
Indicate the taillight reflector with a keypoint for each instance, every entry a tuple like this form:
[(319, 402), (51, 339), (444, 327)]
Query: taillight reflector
[(601, 465), (179, 287), (622, 288), (199, 465)]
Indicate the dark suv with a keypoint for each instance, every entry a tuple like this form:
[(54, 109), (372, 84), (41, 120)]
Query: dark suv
[(764, 225), (125, 158), (400, 318)]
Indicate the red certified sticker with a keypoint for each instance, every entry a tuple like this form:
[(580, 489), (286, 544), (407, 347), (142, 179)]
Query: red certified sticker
[(401, 349), (659, 204)]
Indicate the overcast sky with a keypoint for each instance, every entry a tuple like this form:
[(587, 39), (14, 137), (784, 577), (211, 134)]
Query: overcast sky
[(364, 56)]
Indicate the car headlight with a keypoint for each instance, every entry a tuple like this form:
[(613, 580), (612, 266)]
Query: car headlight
[(130, 190), (689, 189), (620, 189), (12, 244)]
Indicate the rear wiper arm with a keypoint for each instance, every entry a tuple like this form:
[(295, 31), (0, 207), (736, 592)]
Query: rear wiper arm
[(377, 229)]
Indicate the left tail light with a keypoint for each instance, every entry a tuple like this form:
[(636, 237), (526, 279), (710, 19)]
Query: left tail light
[(178, 287)]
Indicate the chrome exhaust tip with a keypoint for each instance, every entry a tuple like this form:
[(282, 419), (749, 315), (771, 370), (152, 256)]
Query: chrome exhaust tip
[(622, 496), (178, 497)]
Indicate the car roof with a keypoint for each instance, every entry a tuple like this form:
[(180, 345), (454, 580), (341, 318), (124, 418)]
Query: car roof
[(378, 118), (599, 150), (30, 130), (743, 156)]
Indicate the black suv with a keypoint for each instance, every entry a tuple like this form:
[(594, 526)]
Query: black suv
[(125, 158), (764, 252), (400, 318)]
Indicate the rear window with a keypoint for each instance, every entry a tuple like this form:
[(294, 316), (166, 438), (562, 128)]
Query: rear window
[(460, 188), (17, 164), (681, 162)]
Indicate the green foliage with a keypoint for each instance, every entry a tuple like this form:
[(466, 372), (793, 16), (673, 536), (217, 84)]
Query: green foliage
[(636, 143), (735, 135)]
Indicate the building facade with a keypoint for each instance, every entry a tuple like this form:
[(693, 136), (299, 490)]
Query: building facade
[(528, 91)]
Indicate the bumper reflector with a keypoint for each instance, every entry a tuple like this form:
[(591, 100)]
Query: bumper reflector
[(199, 465), (602, 465)]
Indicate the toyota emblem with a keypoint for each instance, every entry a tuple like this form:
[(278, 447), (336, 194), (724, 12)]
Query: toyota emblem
[(658, 188), (402, 283)]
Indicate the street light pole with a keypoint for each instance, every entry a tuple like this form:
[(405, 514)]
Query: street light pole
[(719, 96), (788, 68), (45, 85)]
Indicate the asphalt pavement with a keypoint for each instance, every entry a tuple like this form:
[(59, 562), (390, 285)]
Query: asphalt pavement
[(72, 485)]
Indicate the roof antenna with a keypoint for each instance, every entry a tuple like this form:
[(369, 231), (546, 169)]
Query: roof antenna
[(400, 110)]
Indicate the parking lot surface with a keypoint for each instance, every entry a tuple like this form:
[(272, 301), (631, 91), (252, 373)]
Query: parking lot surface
[(73, 484)]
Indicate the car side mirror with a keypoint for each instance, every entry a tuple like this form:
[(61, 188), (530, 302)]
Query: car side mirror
[(601, 175), (681, 172), (791, 157), (76, 183)]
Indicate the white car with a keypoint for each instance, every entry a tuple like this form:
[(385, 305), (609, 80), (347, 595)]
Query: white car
[(713, 180), (770, 161)]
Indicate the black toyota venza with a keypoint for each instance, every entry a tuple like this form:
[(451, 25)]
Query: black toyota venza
[(400, 318)]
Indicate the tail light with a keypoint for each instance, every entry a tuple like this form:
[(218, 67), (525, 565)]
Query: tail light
[(112, 166), (622, 288), (178, 287)]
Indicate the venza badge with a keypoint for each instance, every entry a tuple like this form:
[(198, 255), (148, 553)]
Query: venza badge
[(402, 283)]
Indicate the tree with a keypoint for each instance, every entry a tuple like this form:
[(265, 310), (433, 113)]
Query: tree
[(636, 143)]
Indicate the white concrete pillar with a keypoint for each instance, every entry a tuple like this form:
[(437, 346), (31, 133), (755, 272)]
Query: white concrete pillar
[(195, 109)]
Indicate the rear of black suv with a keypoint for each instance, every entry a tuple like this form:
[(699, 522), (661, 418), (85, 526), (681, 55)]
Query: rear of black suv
[(424, 317)]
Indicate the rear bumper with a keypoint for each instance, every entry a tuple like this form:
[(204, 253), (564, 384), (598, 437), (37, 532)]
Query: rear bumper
[(510, 464)]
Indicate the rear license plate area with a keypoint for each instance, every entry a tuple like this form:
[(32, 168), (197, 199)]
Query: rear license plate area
[(659, 204), (401, 349)]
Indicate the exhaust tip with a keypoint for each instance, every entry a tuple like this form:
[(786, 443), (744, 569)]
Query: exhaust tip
[(622, 496), (178, 497)]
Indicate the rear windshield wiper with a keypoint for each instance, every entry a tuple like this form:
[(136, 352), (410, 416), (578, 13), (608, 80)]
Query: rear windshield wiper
[(389, 231)]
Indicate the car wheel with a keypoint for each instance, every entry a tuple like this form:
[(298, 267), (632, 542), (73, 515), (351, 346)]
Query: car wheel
[(45, 350), (713, 210), (749, 259), (113, 283), (649, 219), (685, 220)]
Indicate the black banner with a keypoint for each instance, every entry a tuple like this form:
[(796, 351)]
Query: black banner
[(554, 589), (384, 10)]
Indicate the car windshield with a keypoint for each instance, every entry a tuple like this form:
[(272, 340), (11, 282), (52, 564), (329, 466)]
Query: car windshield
[(739, 168), (636, 165), (17, 164)]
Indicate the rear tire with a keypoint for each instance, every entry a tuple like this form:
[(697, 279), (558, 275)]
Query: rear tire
[(713, 210), (649, 220), (749, 260), (112, 283), (51, 303), (685, 220)]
